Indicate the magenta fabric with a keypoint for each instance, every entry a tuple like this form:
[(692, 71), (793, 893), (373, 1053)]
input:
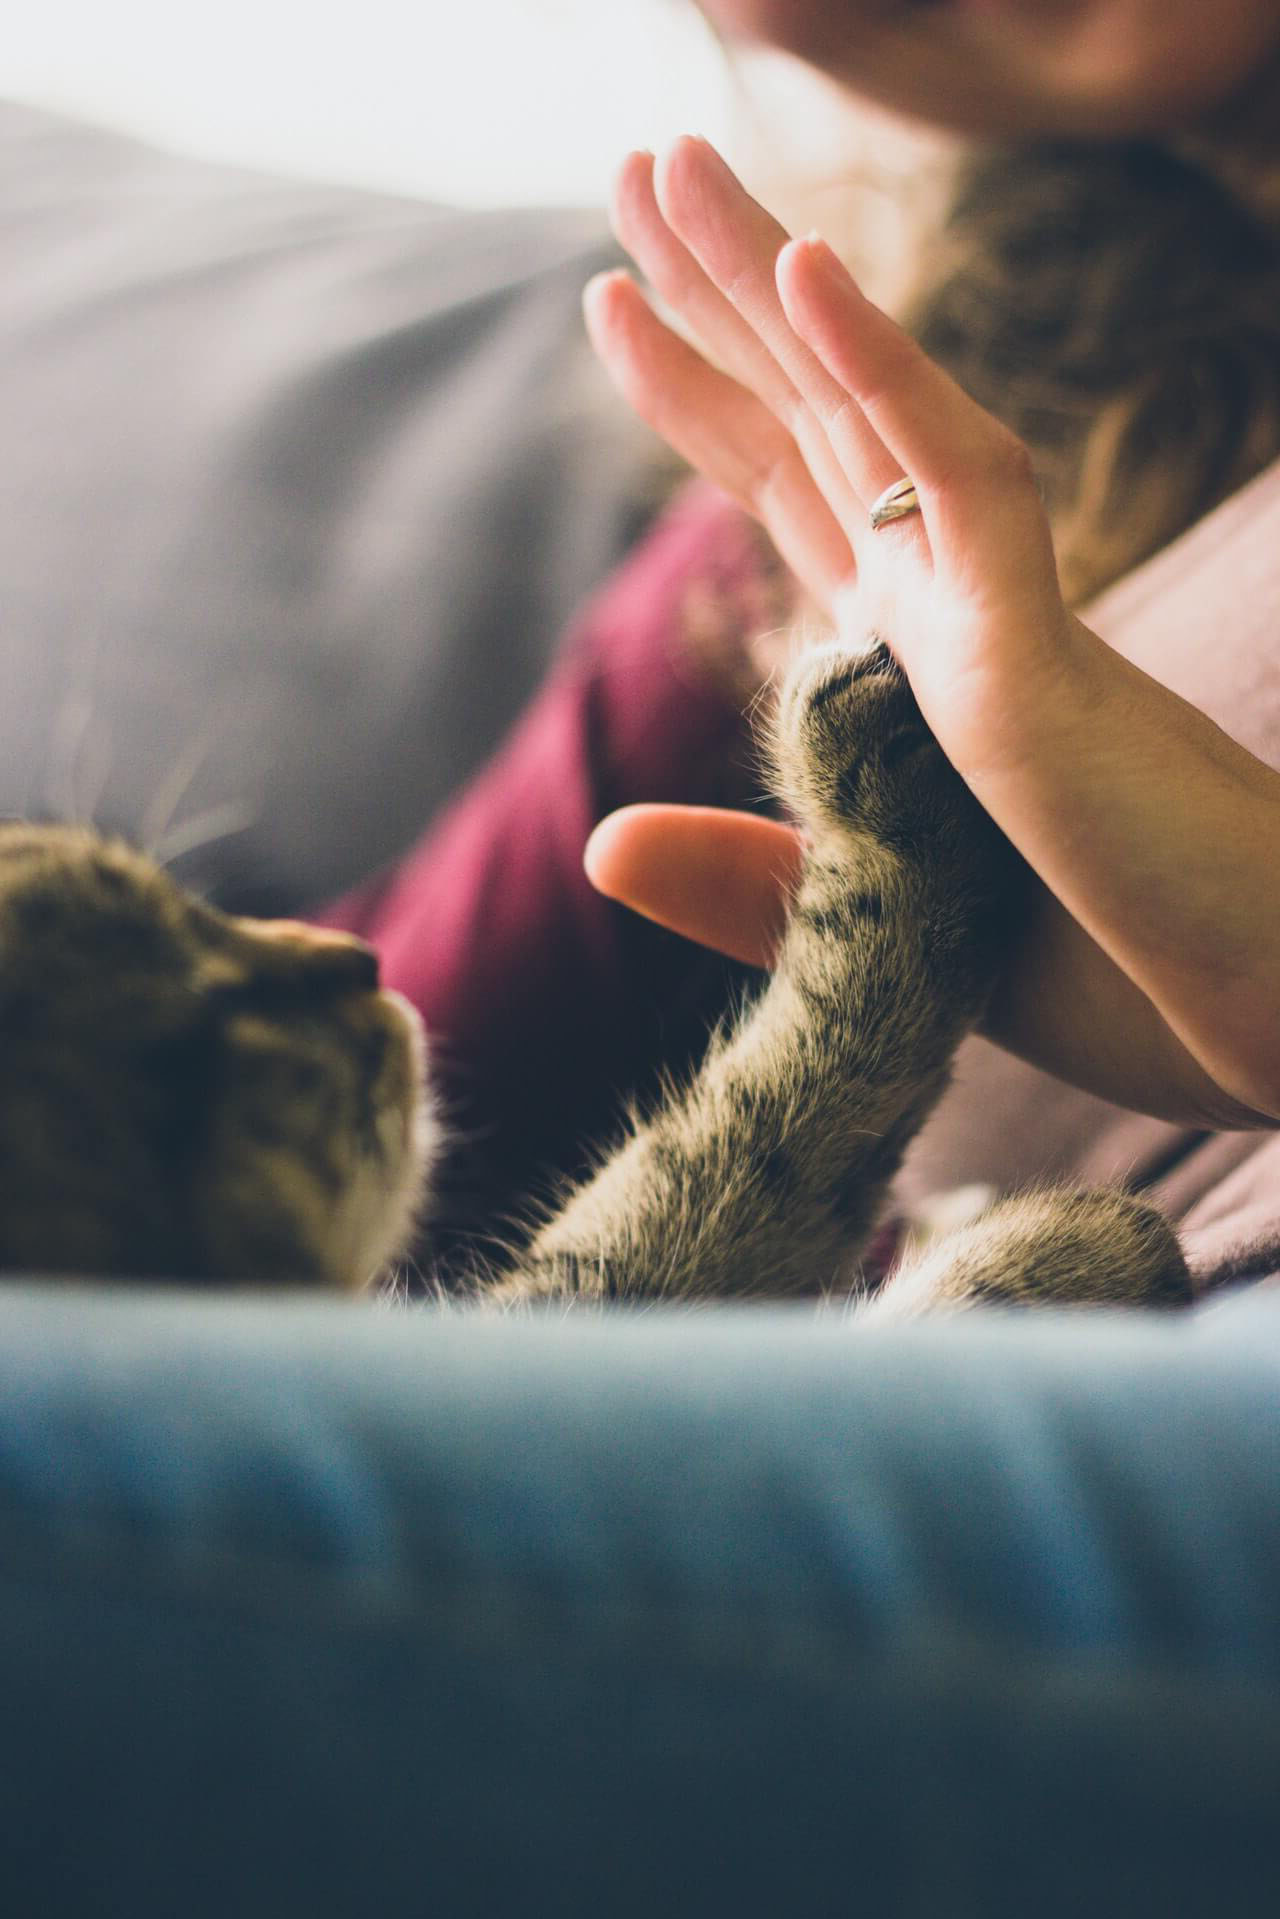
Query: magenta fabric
[(546, 1004)]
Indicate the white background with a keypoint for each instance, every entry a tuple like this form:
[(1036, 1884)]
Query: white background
[(474, 101)]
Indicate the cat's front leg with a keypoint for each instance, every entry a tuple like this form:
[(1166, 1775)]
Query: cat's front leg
[(762, 1177)]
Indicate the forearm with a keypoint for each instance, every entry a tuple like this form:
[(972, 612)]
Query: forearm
[(1159, 985), (762, 1177), (1067, 1008)]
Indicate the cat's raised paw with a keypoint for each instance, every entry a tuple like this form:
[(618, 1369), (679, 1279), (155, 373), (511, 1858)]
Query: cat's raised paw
[(851, 746)]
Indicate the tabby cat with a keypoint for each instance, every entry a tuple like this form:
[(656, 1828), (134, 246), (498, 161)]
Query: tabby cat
[(195, 1096)]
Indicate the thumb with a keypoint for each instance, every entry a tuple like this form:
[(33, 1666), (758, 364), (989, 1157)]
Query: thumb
[(724, 879)]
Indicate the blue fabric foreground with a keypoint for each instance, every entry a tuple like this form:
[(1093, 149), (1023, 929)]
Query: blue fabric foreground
[(313, 1608)]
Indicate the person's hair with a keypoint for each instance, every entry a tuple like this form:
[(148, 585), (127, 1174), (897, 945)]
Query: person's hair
[(1119, 307), (1116, 304)]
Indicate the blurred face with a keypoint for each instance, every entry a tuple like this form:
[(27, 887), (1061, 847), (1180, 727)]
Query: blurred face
[(1026, 66)]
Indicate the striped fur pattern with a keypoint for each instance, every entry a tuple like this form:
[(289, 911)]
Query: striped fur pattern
[(191, 1096), (764, 1178)]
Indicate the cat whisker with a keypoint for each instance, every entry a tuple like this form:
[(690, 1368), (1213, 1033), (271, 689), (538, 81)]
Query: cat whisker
[(753, 711), (95, 767), (162, 808), (203, 829), (403, 1286), (70, 741)]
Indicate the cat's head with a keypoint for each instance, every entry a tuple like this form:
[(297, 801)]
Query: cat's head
[(188, 1095)]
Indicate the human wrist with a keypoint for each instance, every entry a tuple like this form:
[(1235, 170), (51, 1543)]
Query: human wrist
[(1016, 710)]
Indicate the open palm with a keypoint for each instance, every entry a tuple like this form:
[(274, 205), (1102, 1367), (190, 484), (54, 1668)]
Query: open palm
[(804, 402)]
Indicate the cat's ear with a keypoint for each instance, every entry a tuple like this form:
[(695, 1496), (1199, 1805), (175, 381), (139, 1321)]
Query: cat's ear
[(288, 954)]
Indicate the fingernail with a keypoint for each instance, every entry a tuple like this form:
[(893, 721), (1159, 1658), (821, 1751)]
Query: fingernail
[(599, 281), (824, 256)]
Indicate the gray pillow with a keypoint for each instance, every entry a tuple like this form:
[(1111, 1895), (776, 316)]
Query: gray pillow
[(298, 486)]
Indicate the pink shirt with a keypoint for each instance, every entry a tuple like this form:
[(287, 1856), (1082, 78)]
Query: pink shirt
[(545, 1004)]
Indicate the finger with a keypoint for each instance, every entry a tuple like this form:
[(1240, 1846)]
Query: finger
[(724, 879), (986, 525), (674, 274), (737, 242), (720, 428)]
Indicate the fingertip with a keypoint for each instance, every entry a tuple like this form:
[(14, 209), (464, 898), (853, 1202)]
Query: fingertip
[(808, 264), (676, 172), (789, 270), (614, 310), (801, 245), (621, 846), (680, 151), (632, 190), (597, 857), (594, 290), (717, 877), (601, 290)]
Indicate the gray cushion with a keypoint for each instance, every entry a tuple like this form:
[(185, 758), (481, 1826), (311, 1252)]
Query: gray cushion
[(298, 486)]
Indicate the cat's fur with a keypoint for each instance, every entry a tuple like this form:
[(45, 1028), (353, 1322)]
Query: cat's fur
[(763, 1178), (193, 1096)]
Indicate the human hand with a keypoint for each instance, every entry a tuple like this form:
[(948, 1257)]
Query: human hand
[(804, 403), (1154, 831)]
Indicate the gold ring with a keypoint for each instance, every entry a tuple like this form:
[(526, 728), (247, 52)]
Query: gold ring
[(895, 503)]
